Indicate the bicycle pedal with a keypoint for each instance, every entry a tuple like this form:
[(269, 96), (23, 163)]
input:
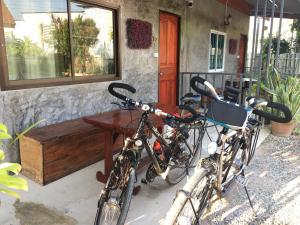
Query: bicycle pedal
[(241, 180)]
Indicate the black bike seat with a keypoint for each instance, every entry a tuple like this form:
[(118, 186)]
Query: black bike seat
[(191, 98)]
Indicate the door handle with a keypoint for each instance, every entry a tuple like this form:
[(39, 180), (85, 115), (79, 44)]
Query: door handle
[(161, 73)]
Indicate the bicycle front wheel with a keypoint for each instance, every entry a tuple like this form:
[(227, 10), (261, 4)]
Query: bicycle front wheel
[(190, 202), (113, 205), (191, 152)]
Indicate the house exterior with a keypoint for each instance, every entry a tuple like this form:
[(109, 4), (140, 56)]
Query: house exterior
[(59, 81)]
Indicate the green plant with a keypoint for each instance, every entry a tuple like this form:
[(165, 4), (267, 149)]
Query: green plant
[(296, 28), (84, 35), (9, 171), (284, 46), (285, 90), (23, 48)]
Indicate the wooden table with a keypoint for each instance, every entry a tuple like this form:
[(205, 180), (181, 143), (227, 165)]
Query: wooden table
[(115, 123)]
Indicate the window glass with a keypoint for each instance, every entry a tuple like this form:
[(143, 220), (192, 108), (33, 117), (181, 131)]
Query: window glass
[(92, 40), (216, 57), (220, 52), (213, 48), (33, 43)]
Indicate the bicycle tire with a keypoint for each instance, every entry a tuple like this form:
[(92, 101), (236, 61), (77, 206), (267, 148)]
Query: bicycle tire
[(197, 148), (125, 206), (198, 151), (193, 187)]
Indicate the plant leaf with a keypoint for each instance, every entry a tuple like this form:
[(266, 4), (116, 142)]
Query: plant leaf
[(12, 167), (4, 136), (26, 130), (9, 192), (3, 128), (2, 155), (12, 181)]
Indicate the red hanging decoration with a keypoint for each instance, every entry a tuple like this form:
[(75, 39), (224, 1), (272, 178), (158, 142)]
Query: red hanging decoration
[(139, 34)]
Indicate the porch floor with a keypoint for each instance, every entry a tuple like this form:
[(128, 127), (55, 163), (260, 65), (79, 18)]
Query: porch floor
[(73, 200)]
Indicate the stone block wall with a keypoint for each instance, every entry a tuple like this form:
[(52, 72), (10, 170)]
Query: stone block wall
[(20, 108)]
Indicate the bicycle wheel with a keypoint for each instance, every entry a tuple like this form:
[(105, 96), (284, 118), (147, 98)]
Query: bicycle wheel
[(187, 156), (198, 132), (115, 200), (191, 202)]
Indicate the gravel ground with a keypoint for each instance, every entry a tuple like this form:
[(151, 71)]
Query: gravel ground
[(273, 184)]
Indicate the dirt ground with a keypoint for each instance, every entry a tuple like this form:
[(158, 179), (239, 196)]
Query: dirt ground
[(273, 184)]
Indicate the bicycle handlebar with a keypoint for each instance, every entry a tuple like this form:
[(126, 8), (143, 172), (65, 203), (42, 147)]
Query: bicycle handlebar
[(211, 93), (274, 105), (149, 108), (127, 87)]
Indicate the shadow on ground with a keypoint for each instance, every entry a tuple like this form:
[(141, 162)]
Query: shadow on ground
[(30, 213), (273, 184)]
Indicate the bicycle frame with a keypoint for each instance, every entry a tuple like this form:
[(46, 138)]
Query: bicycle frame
[(141, 135), (224, 136)]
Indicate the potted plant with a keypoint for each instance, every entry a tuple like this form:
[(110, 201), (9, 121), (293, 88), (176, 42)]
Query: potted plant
[(285, 90)]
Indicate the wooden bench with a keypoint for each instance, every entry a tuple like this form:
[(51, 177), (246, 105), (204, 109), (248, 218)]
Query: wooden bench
[(52, 152)]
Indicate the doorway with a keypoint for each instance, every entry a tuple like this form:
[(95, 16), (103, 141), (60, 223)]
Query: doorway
[(168, 58), (242, 53)]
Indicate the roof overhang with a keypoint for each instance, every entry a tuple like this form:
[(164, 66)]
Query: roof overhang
[(291, 8), (8, 19)]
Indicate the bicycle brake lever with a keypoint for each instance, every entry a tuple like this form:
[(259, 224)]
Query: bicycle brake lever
[(123, 105)]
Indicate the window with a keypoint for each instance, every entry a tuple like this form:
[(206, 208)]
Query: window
[(216, 51), (58, 41)]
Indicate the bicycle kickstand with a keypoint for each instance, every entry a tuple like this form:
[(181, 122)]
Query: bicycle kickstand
[(242, 181)]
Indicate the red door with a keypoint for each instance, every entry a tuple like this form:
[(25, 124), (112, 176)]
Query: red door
[(168, 60), (242, 53)]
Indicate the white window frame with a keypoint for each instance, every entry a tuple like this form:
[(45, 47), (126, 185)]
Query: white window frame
[(209, 50)]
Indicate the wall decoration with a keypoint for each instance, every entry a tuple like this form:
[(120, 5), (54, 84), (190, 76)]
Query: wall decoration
[(139, 34), (232, 46)]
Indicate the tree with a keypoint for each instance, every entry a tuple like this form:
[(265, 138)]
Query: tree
[(296, 28), (284, 46), (60, 35), (84, 36), (22, 48)]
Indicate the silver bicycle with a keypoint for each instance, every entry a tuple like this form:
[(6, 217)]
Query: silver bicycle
[(227, 157)]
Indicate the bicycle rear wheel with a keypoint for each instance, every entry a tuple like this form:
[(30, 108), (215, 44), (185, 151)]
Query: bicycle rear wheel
[(114, 203), (190, 152), (190, 202)]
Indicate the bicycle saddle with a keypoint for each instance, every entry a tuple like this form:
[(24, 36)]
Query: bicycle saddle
[(191, 98)]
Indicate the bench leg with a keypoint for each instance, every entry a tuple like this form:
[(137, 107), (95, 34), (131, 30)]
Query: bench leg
[(108, 157)]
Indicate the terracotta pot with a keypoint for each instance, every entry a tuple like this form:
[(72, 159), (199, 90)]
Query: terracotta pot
[(283, 129)]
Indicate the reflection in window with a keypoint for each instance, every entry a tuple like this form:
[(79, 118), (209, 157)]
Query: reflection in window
[(39, 42), (216, 56), (30, 41), (92, 40)]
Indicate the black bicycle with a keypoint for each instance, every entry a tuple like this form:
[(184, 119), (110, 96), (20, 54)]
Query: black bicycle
[(171, 156), (226, 158)]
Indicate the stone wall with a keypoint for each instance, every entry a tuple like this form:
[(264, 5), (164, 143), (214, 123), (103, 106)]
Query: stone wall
[(139, 68)]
